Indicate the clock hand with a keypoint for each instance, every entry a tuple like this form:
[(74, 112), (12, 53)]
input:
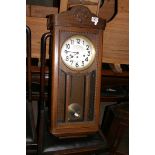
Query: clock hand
[(66, 51), (75, 53)]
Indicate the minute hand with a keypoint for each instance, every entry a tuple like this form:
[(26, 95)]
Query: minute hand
[(66, 51), (75, 52)]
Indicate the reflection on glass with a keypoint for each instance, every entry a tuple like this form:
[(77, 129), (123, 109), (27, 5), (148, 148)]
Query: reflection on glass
[(76, 97)]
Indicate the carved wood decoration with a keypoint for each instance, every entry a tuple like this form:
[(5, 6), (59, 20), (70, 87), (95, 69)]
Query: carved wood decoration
[(107, 11), (93, 5), (75, 94)]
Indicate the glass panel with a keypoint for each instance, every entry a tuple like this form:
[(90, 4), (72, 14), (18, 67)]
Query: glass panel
[(77, 105), (76, 97)]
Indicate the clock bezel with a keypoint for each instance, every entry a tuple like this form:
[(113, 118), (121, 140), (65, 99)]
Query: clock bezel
[(93, 50)]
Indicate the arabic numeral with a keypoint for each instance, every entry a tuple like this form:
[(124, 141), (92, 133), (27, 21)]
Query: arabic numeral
[(82, 63), (67, 58), (86, 59), (87, 47), (88, 53), (71, 62), (68, 46), (77, 65), (78, 41)]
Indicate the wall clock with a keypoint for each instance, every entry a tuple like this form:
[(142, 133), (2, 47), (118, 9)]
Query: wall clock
[(77, 37)]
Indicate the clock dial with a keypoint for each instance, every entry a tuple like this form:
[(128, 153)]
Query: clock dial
[(78, 52)]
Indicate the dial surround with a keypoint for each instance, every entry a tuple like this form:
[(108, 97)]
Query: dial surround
[(78, 52)]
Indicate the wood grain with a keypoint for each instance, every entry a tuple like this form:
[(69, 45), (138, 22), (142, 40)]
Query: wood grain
[(93, 5), (116, 36), (42, 11), (107, 10), (63, 5), (35, 19), (38, 27), (28, 10)]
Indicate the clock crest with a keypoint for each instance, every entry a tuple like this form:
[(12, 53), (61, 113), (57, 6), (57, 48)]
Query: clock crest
[(76, 71)]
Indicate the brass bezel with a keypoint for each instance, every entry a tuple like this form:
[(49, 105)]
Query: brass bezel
[(93, 51)]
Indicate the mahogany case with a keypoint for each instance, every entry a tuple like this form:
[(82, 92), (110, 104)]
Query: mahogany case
[(74, 87)]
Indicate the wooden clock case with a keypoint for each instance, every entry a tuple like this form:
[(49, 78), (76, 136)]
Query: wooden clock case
[(75, 86)]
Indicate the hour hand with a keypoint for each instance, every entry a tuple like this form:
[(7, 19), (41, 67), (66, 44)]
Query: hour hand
[(67, 51), (75, 53)]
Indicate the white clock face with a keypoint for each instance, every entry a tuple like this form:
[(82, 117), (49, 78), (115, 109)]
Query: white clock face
[(78, 52)]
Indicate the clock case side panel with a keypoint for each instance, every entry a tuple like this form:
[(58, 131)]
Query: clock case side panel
[(54, 77), (84, 127)]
